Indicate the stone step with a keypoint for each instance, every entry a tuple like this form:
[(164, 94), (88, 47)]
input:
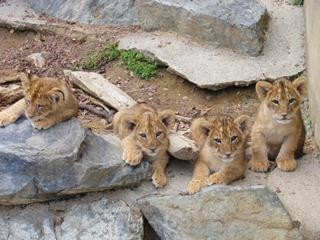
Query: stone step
[(236, 24), (216, 68)]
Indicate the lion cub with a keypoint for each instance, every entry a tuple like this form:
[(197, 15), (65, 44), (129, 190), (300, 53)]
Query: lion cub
[(222, 142), (47, 101), (278, 132), (144, 132)]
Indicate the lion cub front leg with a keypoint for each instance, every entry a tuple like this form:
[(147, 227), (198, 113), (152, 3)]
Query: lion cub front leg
[(285, 159), (12, 113), (199, 179), (159, 178), (226, 175), (259, 161), (132, 154)]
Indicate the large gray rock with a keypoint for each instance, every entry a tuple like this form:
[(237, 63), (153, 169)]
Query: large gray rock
[(85, 219), (220, 213), (32, 223), (65, 159), (235, 24), (97, 12), (103, 219)]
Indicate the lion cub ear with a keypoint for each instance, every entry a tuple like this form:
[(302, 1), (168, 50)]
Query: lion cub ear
[(262, 88), (200, 127), (26, 80), (168, 118), (243, 122), (129, 121), (56, 95), (300, 84)]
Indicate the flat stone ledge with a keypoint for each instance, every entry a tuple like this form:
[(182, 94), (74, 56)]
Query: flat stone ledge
[(216, 68)]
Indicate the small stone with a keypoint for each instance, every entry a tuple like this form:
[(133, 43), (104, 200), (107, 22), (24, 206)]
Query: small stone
[(38, 59)]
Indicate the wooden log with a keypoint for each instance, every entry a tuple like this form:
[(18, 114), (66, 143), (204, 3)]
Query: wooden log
[(181, 147), (10, 94), (96, 85), (8, 76), (99, 87)]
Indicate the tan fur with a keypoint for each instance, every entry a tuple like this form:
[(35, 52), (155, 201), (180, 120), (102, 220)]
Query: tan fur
[(144, 132), (278, 132), (221, 141), (47, 101)]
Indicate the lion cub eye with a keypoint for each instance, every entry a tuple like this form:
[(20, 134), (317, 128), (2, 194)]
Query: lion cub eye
[(143, 135), (158, 134), (291, 100), (276, 102), (217, 140), (234, 138)]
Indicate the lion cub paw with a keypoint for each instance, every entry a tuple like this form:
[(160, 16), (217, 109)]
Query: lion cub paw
[(216, 178), (259, 166), (132, 157), (6, 119), (42, 125), (159, 179), (195, 186), (287, 165)]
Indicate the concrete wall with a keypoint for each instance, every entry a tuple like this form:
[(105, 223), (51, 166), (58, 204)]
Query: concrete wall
[(312, 12)]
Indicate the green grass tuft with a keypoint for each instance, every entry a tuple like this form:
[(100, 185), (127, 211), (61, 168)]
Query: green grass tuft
[(137, 63), (134, 61), (99, 57), (298, 2)]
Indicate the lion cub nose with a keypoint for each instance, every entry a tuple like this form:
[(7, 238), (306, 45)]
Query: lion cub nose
[(284, 115), (153, 149), (228, 154)]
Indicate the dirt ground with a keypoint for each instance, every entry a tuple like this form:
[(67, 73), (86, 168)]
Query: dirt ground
[(164, 91)]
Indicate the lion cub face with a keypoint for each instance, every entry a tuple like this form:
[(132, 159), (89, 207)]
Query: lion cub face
[(43, 96), (283, 97), (150, 130), (226, 135)]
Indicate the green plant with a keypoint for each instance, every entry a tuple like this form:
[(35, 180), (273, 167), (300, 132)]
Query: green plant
[(308, 120), (134, 61), (140, 65), (298, 2), (99, 57)]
